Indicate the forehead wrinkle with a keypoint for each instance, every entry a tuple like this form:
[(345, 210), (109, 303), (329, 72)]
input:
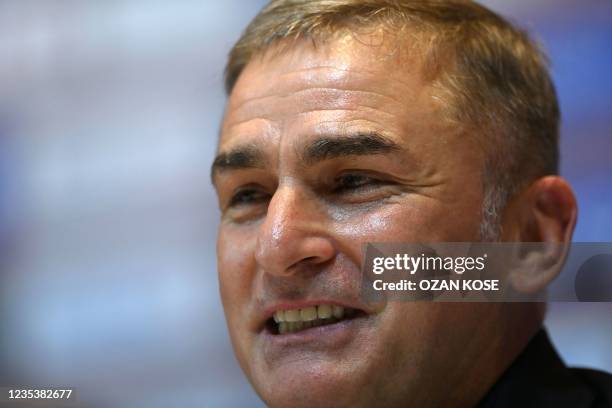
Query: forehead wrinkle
[(229, 125), (335, 98), (307, 89), (272, 91), (342, 71), (365, 124), (231, 130), (361, 108), (346, 75)]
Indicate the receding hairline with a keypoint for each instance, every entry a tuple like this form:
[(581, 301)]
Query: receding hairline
[(328, 20), (408, 49)]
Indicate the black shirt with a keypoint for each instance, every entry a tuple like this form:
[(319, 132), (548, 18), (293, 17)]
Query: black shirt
[(538, 378)]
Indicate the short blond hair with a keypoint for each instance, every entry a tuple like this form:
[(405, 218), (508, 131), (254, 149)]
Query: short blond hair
[(492, 75)]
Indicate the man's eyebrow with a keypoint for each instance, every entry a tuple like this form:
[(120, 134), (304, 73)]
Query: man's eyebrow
[(360, 144), (243, 157)]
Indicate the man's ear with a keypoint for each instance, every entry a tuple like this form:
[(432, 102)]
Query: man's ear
[(544, 212), (554, 210)]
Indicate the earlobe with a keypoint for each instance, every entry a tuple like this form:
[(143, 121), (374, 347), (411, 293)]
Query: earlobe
[(535, 265)]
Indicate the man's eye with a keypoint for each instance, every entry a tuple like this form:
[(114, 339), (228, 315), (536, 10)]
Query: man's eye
[(351, 182), (248, 197)]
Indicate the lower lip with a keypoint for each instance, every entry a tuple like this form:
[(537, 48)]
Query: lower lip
[(318, 338)]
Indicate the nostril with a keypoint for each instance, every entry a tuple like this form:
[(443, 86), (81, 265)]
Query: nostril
[(310, 263), (282, 252)]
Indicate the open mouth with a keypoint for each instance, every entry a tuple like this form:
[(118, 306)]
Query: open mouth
[(296, 320)]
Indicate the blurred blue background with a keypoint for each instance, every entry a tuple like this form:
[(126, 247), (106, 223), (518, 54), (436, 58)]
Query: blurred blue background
[(109, 114)]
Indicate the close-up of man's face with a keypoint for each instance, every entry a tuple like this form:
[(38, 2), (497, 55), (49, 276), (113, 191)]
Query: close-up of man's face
[(306, 203), (323, 149)]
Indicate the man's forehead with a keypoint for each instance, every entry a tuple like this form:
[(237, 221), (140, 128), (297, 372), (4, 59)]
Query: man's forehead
[(348, 62), (344, 75)]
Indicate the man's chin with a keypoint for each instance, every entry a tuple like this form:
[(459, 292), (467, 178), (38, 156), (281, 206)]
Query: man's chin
[(308, 383)]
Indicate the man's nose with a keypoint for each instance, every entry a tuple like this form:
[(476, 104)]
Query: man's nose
[(293, 234)]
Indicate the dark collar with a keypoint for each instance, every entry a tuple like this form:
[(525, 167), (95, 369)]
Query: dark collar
[(538, 378)]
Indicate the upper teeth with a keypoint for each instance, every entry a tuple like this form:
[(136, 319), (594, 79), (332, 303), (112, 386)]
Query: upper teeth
[(308, 314)]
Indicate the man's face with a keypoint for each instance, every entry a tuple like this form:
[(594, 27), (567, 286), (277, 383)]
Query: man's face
[(323, 150)]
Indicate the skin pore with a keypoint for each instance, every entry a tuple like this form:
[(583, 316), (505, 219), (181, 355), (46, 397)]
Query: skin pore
[(323, 149)]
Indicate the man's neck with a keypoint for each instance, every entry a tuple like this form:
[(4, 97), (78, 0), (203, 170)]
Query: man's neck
[(484, 367)]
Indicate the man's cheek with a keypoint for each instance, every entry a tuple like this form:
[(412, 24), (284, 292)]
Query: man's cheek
[(236, 270), (400, 222), (235, 299)]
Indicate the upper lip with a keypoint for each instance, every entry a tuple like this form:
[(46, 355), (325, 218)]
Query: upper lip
[(270, 309)]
